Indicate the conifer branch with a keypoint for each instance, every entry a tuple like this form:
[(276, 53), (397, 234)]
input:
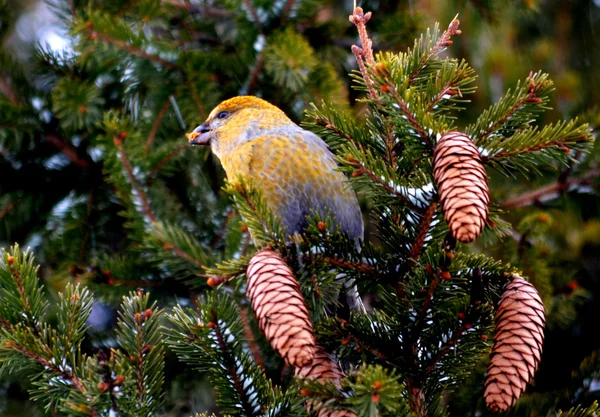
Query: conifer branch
[(330, 126), (444, 42), (169, 246), (8, 91), (49, 363), (9, 207), (419, 241), (247, 407), (134, 182), (258, 67), (445, 349), (156, 124), (197, 9), (158, 166), (251, 339), (67, 149), (129, 48), (360, 19), (550, 190), (359, 54), (362, 170), (403, 106), (348, 265), (287, 8), (253, 13)]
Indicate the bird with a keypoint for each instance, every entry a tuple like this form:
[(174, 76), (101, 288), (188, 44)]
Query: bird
[(292, 168)]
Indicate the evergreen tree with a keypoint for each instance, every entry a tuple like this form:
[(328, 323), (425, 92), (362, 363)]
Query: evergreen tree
[(100, 172)]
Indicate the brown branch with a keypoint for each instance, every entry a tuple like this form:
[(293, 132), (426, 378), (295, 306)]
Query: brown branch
[(184, 255), (531, 197), (417, 247), (442, 352), (130, 48), (287, 8), (361, 170), (359, 54), (360, 19), (253, 12), (156, 168), (67, 149), (251, 339), (48, 364), (223, 229), (260, 63), (193, 8), (348, 265), (156, 124), (134, 182), (7, 89), (230, 368), (409, 115), (9, 207), (530, 97), (444, 42), (362, 345), (330, 126), (555, 143)]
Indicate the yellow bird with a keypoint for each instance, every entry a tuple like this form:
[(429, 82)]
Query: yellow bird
[(293, 168)]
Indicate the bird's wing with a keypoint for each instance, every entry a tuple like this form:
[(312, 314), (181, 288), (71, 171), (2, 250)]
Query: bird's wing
[(297, 176)]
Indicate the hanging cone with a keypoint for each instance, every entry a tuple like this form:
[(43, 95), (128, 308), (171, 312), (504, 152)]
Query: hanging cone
[(517, 344), (462, 185), (280, 309), (323, 368)]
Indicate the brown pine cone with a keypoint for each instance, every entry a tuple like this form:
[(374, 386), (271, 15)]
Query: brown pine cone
[(517, 344), (280, 309), (462, 185), (323, 368)]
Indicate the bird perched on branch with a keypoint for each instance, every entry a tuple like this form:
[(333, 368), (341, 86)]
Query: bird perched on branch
[(293, 168)]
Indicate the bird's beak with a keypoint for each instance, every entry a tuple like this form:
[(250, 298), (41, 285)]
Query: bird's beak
[(200, 135)]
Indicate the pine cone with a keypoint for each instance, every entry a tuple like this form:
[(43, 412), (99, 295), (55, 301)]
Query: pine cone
[(280, 309), (462, 185), (517, 344), (323, 368)]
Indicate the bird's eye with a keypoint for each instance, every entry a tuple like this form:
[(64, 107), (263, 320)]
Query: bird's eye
[(223, 115)]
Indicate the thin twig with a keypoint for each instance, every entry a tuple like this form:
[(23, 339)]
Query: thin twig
[(443, 42), (287, 8), (258, 67), (156, 124), (330, 126), (132, 49), (364, 171), (251, 339), (409, 115), (555, 143), (550, 190), (253, 12), (417, 246), (360, 19), (9, 91), (9, 207), (156, 168), (443, 351), (194, 8), (134, 182), (67, 149)]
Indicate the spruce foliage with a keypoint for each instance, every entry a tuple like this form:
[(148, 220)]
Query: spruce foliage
[(121, 210)]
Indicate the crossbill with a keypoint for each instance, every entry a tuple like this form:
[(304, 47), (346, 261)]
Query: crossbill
[(293, 168)]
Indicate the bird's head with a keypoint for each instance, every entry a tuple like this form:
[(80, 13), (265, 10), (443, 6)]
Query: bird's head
[(237, 120)]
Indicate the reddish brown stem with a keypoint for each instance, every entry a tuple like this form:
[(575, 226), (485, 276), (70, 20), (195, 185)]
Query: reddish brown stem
[(364, 171), (360, 19), (251, 339), (132, 49), (67, 149), (409, 115), (134, 183), (417, 247), (193, 8), (444, 350), (9, 207), (156, 124), (156, 168), (555, 143), (443, 42), (258, 67), (359, 54), (338, 132), (182, 254), (531, 197), (253, 12)]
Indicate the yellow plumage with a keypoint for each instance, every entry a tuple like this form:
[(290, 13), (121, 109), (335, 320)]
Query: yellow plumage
[(292, 167)]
